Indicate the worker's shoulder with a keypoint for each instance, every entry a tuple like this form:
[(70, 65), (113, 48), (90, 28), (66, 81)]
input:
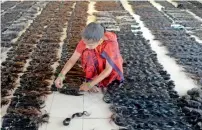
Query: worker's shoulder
[(81, 42), (111, 36)]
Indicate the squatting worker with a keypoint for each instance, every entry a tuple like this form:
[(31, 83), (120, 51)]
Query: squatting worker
[(100, 58)]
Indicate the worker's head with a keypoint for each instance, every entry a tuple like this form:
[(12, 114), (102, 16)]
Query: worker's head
[(93, 35)]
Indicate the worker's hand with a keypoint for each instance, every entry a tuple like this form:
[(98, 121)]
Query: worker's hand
[(59, 82), (84, 87)]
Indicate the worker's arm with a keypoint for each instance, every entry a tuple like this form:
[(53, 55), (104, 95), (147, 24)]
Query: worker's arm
[(69, 64), (105, 73)]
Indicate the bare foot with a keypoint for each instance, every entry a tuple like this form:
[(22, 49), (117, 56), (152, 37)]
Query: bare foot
[(94, 90)]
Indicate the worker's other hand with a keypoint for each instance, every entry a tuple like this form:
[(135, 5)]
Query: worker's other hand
[(84, 87), (59, 82)]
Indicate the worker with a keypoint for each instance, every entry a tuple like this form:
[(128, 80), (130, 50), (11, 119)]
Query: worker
[(100, 59)]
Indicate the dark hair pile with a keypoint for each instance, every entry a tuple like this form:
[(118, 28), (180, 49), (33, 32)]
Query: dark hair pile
[(181, 46), (66, 122), (24, 111)]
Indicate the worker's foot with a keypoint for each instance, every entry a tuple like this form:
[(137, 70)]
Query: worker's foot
[(94, 89), (104, 90)]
